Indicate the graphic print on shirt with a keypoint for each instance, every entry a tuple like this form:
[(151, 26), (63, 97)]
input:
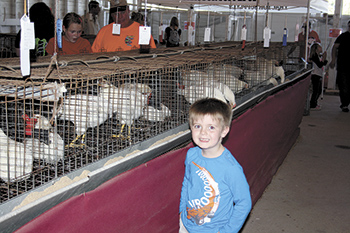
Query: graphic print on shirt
[(128, 40), (203, 209)]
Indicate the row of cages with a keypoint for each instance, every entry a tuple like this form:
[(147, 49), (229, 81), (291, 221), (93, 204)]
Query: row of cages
[(7, 45), (78, 115)]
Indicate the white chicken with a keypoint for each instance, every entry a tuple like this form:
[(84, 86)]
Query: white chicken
[(280, 71), (228, 73), (193, 77), (225, 72), (253, 77), (271, 69), (236, 85), (277, 72), (227, 92), (210, 90), (15, 160), (152, 114), (127, 101), (50, 153), (198, 85), (85, 111)]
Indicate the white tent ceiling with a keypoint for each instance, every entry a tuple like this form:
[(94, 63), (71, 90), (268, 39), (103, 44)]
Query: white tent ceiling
[(317, 5)]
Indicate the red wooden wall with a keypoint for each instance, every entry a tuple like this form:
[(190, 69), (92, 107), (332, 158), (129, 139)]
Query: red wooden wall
[(146, 198)]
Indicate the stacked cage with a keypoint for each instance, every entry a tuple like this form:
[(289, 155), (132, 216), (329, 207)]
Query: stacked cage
[(82, 110), (7, 45)]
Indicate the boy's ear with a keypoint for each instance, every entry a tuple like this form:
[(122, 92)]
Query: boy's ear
[(225, 131)]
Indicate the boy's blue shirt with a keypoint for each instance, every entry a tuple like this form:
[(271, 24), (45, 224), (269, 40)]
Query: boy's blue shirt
[(210, 188)]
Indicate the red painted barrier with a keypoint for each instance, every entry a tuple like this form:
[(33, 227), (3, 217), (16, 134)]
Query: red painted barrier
[(146, 198)]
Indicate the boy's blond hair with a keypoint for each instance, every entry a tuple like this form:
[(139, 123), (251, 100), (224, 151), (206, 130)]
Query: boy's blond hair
[(210, 106)]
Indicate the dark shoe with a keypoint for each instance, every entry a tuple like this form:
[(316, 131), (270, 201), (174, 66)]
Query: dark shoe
[(345, 109)]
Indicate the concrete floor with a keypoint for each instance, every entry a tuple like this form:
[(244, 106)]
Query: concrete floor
[(311, 190)]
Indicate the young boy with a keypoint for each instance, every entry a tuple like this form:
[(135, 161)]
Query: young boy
[(215, 194)]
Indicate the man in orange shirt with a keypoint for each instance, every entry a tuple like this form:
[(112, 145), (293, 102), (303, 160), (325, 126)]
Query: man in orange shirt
[(128, 39)]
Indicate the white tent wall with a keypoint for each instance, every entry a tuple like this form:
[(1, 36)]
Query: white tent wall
[(11, 11), (218, 24), (9, 17)]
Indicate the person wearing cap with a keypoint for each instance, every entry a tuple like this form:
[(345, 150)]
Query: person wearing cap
[(312, 38), (91, 25), (107, 40)]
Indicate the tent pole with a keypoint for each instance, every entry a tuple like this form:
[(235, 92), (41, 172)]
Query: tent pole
[(307, 31), (256, 21)]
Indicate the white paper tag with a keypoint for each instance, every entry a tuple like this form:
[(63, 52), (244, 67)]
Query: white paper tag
[(27, 33), (116, 29), (207, 34), (25, 62), (244, 34), (267, 36), (296, 32), (144, 35), (267, 33), (190, 34)]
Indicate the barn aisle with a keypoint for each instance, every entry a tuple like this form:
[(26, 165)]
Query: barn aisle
[(310, 191)]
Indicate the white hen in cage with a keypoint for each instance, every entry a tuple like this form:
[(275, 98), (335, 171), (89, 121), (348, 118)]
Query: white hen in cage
[(152, 114), (216, 90), (198, 85), (50, 153), (227, 92), (272, 69), (15, 160), (280, 71), (127, 101), (85, 111)]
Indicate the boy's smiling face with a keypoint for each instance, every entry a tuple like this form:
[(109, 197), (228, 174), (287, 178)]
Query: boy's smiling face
[(207, 133)]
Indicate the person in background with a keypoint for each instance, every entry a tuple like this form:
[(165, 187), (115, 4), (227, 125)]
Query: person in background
[(44, 26), (215, 194), (72, 43), (312, 37), (128, 39), (91, 25), (138, 17), (173, 33), (340, 58), (318, 60)]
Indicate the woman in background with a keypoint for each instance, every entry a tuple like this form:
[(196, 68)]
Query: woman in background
[(72, 43), (173, 33)]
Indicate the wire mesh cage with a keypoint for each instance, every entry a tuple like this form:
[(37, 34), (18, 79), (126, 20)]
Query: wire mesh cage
[(7, 45), (89, 108)]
